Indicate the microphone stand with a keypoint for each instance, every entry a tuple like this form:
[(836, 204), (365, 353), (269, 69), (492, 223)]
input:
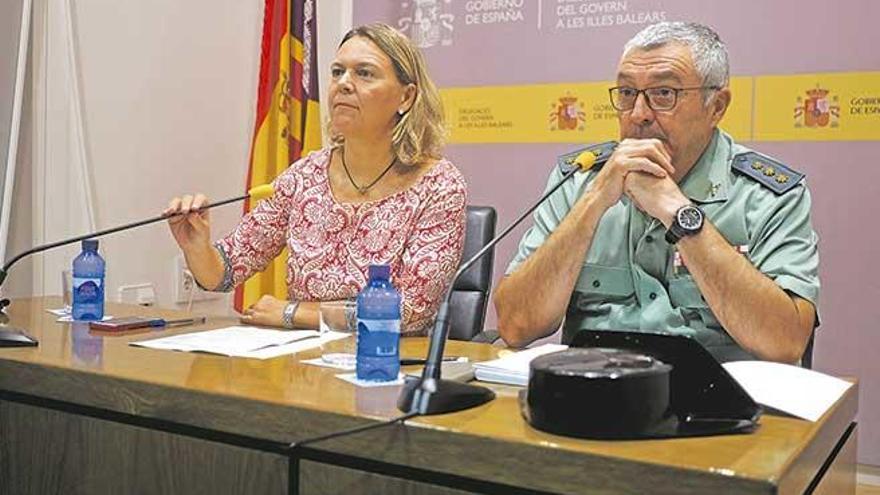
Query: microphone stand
[(430, 394), (11, 336)]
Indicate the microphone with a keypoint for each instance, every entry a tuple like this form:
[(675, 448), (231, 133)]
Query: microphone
[(8, 335), (430, 394)]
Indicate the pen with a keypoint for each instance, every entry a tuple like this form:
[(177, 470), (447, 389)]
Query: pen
[(411, 361), (159, 322), (163, 323)]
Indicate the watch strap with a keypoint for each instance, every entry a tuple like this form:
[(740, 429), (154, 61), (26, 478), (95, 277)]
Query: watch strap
[(673, 234)]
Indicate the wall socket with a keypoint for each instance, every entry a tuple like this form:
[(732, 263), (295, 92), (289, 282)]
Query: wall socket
[(141, 294), (184, 283)]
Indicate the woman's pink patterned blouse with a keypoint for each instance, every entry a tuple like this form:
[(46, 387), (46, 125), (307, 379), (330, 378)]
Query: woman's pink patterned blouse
[(418, 231)]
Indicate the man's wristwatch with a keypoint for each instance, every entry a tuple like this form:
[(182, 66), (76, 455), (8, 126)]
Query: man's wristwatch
[(688, 220), (289, 311)]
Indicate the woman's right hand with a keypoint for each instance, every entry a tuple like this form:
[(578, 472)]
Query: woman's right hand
[(192, 229)]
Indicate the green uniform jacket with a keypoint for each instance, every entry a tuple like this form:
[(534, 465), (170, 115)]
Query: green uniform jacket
[(633, 279)]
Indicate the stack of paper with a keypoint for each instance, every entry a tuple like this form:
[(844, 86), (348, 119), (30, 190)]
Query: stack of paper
[(791, 389), (238, 341), (513, 369)]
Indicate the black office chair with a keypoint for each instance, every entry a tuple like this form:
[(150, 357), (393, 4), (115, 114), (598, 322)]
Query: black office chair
[(470, 294), (807, 357)]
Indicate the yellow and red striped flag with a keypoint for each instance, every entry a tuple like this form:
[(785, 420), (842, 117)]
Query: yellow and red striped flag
[(288, 124)]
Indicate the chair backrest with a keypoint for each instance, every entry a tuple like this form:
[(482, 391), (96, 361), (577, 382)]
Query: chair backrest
[(470, 294)]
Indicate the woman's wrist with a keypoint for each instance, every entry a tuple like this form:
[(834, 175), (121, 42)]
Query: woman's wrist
[(198, 249), (210, 268)]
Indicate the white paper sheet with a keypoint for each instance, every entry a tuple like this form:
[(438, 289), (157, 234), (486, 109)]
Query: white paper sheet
[(295, 347), (513, 369), (803, 393), (320, 362), (65, 317), (69, 319), (241, 341)]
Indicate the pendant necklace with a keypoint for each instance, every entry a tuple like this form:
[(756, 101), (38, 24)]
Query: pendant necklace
[(364, 189)]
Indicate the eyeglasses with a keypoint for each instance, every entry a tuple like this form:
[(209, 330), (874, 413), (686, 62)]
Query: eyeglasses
[(661, 98)]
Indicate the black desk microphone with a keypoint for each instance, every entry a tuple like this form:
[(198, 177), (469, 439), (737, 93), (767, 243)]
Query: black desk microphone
[(430, 394), (14, 337)]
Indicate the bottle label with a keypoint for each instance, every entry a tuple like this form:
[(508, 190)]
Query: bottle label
[(378, 338), (88, 290), (377, 350)]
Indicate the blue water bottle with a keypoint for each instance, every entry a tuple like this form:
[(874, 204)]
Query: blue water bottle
[(88, 283), (378, 314)]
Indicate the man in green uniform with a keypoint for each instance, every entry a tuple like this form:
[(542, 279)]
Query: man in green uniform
[(682, 230)]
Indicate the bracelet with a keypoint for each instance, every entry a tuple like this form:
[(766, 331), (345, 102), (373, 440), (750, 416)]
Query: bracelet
[(289, 311)]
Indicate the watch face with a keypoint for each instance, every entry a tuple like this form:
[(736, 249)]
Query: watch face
[(690, 218)]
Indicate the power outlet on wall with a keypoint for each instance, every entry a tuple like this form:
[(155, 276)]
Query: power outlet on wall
[(141, 294), (184, 284)]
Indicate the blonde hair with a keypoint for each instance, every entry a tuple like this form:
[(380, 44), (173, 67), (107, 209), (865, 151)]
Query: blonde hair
[(420, 132)]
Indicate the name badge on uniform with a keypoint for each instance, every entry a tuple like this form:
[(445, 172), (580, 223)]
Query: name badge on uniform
[(679, 268)]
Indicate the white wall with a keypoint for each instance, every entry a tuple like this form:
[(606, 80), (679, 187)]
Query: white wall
[(334, 20), (166, 105)]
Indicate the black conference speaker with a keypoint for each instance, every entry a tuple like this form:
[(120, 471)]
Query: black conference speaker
[(630, 385)]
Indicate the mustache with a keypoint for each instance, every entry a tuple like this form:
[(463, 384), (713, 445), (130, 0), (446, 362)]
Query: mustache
[(649, 131), (645, 135)]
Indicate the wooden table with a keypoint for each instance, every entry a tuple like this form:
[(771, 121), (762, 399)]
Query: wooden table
[(84, 413)]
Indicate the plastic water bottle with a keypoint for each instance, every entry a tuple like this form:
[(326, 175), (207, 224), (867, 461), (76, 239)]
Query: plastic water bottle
[(378, 314), (88, 283)]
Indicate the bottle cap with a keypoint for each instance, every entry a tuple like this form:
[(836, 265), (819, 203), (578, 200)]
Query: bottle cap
[(382, 272), (90, 245)]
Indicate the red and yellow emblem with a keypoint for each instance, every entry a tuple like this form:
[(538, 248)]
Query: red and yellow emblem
[(817, 109), (567, 114)]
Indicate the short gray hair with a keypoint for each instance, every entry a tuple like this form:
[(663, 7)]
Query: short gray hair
[(707, 49)]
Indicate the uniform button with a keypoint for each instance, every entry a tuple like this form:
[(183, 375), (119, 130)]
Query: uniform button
[(596, 283), (652, 296), (649, 238)]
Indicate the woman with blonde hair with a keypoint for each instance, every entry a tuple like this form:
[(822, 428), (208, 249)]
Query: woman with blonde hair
[(381, 193)]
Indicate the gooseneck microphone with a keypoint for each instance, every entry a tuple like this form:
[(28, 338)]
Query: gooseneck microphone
[(430, 394), (256, 193)]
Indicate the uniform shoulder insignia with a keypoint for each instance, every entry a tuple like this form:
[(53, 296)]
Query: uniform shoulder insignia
[(770, 173), (602, 151)]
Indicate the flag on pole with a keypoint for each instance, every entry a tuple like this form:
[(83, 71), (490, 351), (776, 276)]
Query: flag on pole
[(287, 124)]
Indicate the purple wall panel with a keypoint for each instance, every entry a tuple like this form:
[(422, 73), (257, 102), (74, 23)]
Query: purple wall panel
[(778, 37)]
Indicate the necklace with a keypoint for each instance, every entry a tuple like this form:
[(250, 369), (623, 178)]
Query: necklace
[(364, 189)]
